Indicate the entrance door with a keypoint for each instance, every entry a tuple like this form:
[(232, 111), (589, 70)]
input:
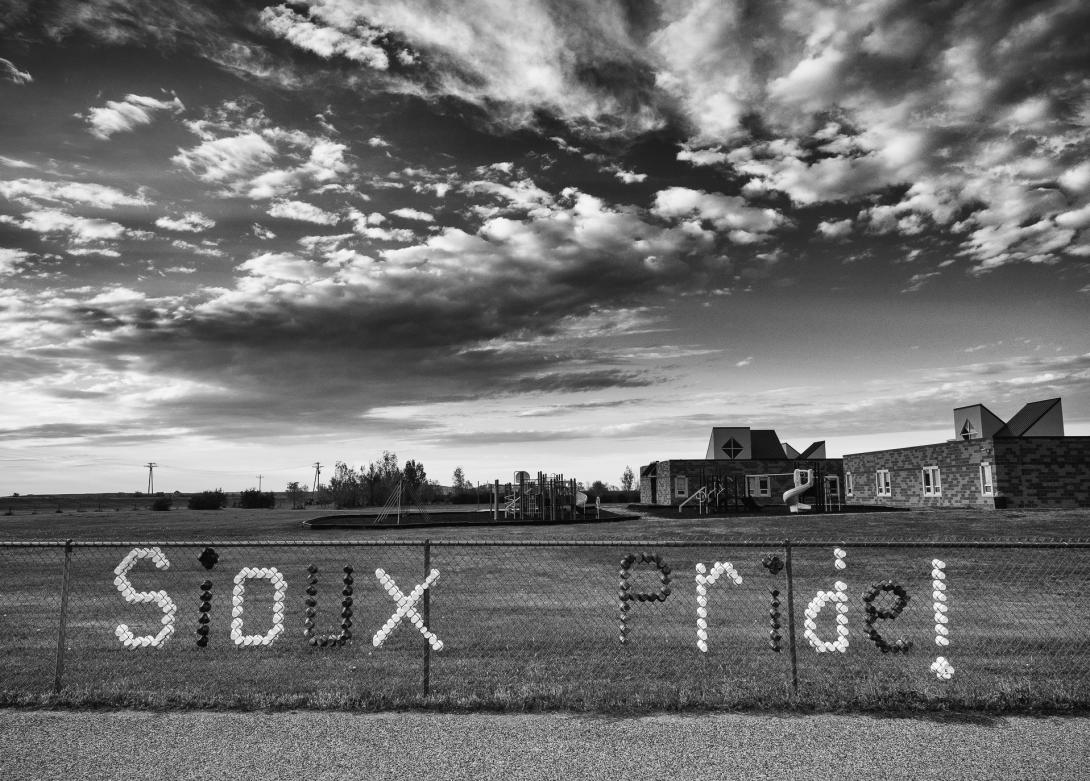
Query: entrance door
[(832, 492)]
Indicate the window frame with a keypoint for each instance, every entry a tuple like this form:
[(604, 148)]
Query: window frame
[(763, 484), (883, 487), (931, 481), (681, 485), (990, 485), (849, 485)]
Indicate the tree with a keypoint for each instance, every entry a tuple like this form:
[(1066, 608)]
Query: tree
[(598, 488), (414, 474), (458, 480), (382, 477), (208, 500), (416, 481), (296, 493), (253, 499), (346, 486), (627, 479)]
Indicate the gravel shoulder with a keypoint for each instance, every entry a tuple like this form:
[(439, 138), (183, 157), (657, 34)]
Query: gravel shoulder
[(315, 745)]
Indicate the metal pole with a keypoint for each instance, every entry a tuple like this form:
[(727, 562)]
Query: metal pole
[(791, 618), (427, 618), (66, 579)]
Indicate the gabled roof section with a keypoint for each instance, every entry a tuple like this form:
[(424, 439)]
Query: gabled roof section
[(976, 421), (790, 451), (1036, 419), (816, 451), (650, 470), (766, 444)]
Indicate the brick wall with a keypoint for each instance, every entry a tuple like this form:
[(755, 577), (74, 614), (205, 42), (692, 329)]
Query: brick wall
[(1028, 472), (1044, 471), (958, 462), (702, 471)]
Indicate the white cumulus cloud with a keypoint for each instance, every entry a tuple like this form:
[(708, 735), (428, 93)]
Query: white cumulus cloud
[(303, 211), (190, 222), (119, 116)]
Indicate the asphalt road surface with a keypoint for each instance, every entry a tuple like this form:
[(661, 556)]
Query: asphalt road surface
[(200, 745)]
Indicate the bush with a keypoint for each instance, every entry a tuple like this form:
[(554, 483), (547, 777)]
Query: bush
[(253, 499), (208, 500), (162, 503)]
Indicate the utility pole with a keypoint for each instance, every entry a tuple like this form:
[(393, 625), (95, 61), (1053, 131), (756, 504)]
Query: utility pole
[(317, 475), (259, 483), (151, 476)]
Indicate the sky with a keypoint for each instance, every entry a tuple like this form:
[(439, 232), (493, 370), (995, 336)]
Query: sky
[(240, 238)]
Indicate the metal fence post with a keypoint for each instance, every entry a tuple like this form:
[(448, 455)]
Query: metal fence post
[(65, 581), (791, 618), (427, 618)]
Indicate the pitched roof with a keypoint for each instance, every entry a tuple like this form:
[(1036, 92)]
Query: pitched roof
[(766, 444), (816, 450), (1027, 418)]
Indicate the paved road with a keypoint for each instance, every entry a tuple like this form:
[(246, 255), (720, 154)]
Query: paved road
[(203, 745)]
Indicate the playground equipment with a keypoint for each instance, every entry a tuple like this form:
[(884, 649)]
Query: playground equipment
[(546, 498), (402, 501), (702, 497), (718, 492), (804, 481)]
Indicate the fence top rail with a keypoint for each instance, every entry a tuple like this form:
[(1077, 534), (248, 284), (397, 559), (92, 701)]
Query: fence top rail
[(706, 543)]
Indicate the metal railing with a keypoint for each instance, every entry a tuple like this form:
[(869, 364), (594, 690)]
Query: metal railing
[(662, 623)]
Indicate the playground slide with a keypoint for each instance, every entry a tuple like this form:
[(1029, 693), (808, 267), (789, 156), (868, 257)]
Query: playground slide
[(791, 495)]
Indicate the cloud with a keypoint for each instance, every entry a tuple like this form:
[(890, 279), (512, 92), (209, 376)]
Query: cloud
[(917, 281), (12, 162), (702, 157), (80, 230), (834, 229), (580, 62), (359, 44), (413, 214), (261, 232), (628, 177), (12, 73), (249, 156), (208, 249), (725, 212), (120, 116), (458, 315), (305, 212), (11, 259), (83, 193), (190, 222)]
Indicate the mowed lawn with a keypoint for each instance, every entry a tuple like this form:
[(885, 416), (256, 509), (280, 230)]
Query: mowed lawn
[(539, 627)]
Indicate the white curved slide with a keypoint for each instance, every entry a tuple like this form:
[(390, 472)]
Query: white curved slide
[(791, 495)]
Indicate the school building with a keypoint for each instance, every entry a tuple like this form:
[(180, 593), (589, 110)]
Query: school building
[(1026, 461), (743, 466), (1023, 462)]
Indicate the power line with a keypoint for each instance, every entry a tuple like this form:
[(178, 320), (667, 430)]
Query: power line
[(151, 476), (317, 475)]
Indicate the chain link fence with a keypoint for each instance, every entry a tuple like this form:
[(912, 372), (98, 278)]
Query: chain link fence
[(580, 625)]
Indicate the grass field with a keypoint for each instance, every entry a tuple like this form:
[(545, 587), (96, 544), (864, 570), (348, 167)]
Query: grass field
[(537, 627)]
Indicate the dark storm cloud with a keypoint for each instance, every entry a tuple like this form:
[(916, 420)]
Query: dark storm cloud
[(75, 431)]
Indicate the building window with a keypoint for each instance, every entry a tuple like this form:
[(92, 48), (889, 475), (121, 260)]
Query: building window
[(968, 431), (987, 484), (849, 484), (681, 486), (932, 482), (758, 485), (882, 484)]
